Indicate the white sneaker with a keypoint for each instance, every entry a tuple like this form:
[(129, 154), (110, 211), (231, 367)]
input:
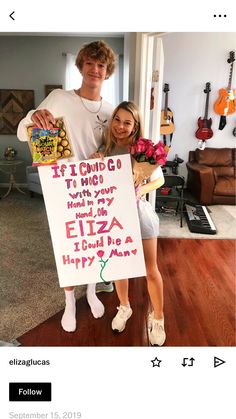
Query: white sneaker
[(156, 331), (119, 321)]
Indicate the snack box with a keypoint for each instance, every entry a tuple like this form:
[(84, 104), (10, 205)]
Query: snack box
[(64, 149), (44, 145)]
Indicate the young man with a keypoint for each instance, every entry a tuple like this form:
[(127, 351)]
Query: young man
[(86, 115)]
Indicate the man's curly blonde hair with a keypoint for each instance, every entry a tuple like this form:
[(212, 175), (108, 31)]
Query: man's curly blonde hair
[(97, 50)]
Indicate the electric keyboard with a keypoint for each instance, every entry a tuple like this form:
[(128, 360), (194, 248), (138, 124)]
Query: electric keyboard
[(199, 220)]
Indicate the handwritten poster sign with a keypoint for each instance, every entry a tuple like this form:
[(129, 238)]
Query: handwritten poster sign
[(93, 220)]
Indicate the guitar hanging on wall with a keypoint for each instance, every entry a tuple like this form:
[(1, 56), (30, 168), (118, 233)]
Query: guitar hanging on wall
[(226, 103), (167, 120), (204, 131)]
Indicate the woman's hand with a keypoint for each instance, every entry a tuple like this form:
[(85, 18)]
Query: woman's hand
[(138, 192), (43, 119), (97, 155), (138, 177), (148, 187)]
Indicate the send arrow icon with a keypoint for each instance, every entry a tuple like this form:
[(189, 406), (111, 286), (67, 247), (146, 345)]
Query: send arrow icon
[(218, 362)]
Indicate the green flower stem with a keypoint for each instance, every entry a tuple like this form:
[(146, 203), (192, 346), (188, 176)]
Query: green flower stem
[(103, 264)]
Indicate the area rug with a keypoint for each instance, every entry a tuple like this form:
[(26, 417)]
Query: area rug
[(29, 288), (223, 217)]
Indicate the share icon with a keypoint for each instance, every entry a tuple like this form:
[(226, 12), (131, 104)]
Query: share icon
[(218, 362)]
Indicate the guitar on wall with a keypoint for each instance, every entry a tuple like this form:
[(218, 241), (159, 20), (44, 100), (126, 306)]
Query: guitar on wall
[(226, 103), (204, 131), (167, 120)]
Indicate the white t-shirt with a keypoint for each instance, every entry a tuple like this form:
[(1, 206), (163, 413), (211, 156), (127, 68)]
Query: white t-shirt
[(84, 128)]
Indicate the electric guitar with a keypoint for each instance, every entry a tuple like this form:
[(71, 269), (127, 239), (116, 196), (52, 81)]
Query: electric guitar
[(226, 103), (204, 131), (167, 124)]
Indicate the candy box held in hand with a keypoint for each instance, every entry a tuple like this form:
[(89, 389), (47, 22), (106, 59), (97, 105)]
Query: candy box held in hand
[(63, 149), (44, 145)]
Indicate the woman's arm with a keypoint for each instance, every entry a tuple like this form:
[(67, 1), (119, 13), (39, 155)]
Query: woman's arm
[(150, 186)]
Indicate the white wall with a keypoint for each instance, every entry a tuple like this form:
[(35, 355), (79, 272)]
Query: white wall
[(191, 60)]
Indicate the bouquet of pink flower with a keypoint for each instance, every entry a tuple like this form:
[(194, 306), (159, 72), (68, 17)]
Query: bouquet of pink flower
[(145, 151), (147, 156)]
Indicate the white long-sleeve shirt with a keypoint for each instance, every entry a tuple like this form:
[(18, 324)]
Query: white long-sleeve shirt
[(84, 128)]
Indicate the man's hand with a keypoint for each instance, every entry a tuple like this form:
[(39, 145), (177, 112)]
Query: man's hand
[(43, 119)]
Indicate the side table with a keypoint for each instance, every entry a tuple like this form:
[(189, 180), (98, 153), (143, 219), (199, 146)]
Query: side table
[(9, 167)]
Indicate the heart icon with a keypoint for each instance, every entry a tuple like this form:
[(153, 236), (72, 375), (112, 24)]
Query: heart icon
[(134, 251)]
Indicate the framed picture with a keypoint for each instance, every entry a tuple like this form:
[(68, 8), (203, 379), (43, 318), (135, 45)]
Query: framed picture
[(14, 105), (50, 87)]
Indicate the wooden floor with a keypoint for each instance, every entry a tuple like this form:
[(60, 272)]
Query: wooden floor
[(199, 293)]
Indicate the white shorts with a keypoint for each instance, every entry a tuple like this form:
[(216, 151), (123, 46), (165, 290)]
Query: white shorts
[(148, 218)]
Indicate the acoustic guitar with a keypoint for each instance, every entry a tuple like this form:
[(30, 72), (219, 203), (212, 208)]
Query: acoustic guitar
[(204, 131), (167, 120), (226, 103)]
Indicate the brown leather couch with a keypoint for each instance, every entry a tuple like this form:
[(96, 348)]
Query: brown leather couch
[(211, 175)]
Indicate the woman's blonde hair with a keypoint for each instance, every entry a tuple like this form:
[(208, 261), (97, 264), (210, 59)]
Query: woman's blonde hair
[(110, 140)]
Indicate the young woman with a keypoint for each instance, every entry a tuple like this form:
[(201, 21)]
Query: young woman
[(124, 129)]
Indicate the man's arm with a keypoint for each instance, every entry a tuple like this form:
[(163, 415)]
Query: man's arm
[(40, 117), (22, 127)]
